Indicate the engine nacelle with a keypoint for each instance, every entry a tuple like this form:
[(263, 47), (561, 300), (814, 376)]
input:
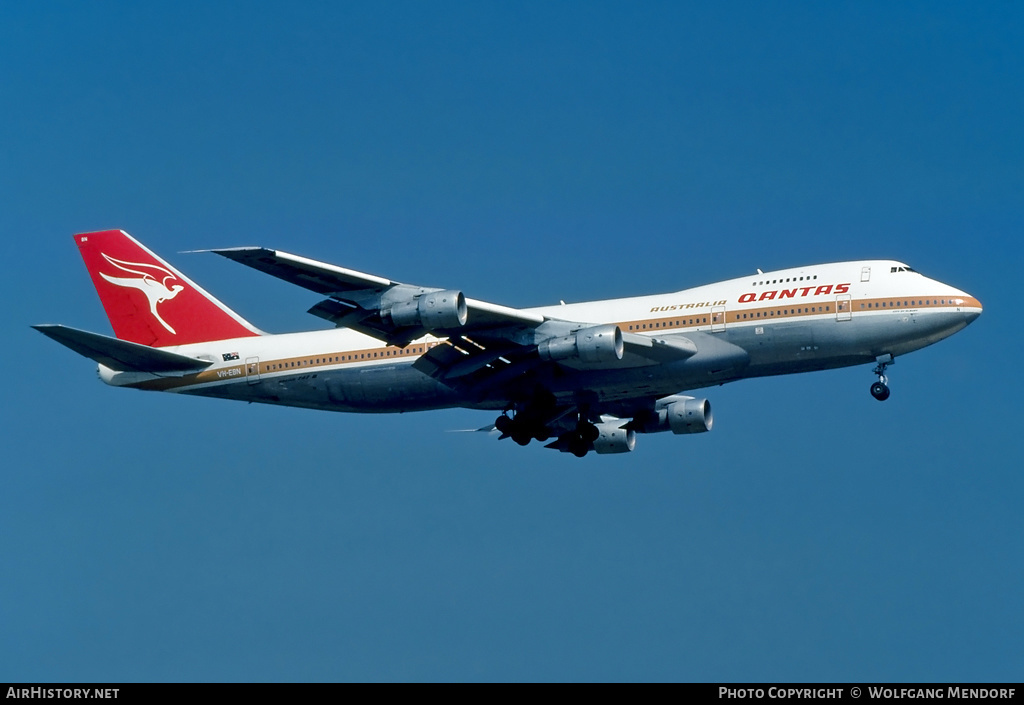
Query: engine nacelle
[(613, 439), (596, 344), (689, 416), (433, 311)]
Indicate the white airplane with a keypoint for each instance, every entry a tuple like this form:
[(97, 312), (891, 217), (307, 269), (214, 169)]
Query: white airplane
[(587, 376)]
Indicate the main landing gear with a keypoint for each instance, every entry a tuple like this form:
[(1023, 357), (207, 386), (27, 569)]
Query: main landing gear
[(580, 439), (522, 428), (880, 389), (522, 432)]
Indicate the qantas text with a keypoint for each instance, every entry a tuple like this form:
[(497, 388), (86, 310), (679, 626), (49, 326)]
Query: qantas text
[(823, 290)]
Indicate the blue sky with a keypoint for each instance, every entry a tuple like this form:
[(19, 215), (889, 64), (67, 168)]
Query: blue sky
[(523, 153)]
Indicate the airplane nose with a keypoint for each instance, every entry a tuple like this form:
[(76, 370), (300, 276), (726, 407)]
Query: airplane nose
[(974, 311)]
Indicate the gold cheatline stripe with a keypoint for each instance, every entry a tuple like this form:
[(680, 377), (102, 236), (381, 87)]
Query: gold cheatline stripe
[(391, 352), (236, 373), (776, 312)]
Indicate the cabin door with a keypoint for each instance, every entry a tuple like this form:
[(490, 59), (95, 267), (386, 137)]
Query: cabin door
[(718, 319), (844, 307), (252, 370)]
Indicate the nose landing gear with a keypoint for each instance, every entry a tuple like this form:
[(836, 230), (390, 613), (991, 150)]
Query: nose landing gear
[(880, 389)]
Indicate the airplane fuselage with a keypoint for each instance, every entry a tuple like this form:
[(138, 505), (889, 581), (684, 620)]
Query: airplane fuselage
[(794, 320)]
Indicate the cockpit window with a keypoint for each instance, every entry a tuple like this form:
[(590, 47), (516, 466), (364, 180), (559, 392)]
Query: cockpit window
[(901, 268)]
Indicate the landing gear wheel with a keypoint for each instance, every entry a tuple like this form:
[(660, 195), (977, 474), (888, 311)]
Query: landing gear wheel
[(521, 437), (579, 447), (503, 424), (880, 391)]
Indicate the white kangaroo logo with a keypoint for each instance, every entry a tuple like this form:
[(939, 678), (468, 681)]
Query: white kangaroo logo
[(152, 281)]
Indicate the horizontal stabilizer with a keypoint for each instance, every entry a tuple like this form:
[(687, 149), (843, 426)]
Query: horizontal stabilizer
[(121, 355)]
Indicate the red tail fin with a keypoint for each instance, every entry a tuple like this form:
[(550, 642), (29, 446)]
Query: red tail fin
[(150, 302)]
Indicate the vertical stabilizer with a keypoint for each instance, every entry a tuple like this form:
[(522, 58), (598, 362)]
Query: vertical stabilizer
[(150, 302)]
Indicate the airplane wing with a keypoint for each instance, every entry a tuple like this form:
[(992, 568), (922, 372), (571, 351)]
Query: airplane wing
[(368, 303), (487, 345)]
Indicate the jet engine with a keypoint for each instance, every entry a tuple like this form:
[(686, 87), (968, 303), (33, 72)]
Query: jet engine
[(689, 416), (435, 310), (613, 439), (596, 344), (678, 414)]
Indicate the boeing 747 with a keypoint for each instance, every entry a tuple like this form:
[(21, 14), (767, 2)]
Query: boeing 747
[(578, 377)]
